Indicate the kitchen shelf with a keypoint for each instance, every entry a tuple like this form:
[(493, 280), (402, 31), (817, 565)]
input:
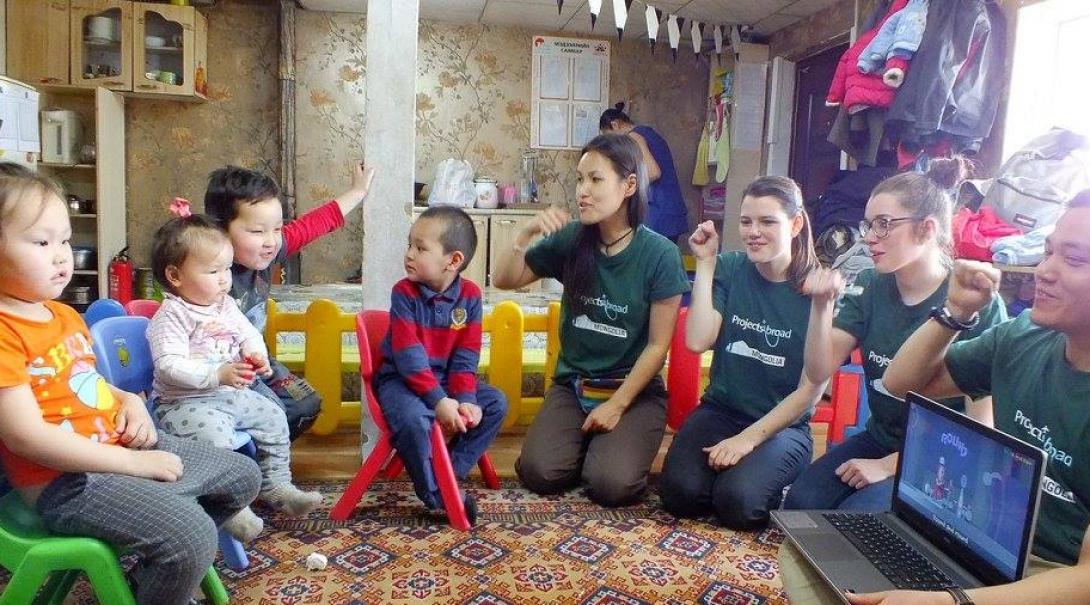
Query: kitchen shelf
[(85, 272), (82, 216), (67, 166)]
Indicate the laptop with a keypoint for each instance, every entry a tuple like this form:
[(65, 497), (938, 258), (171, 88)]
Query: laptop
[(964, 508)]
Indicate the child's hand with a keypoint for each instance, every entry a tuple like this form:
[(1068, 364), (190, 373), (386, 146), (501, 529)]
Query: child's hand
[(259, 363), (446, 412), (471, 413), (361, 185), (133, 424), (237, 375), (155, 464)]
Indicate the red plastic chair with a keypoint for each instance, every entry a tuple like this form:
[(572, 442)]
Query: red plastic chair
[(682, 377), (371, 328), (142, 307), (842, 411)]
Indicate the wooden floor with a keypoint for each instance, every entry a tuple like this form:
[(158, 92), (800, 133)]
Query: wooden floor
[(337, 456)]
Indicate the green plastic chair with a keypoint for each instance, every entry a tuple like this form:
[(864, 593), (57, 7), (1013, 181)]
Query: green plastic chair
[(44, 566)]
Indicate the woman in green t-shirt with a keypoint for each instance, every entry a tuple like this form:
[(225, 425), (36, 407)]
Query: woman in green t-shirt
[(749, 438), (603, 420), (907, 230)]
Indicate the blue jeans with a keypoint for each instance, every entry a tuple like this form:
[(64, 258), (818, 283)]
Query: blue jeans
[(818, 487), (739, 496), (410, 421)]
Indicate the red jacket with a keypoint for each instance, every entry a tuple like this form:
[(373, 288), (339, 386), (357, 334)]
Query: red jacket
[(853, 88)]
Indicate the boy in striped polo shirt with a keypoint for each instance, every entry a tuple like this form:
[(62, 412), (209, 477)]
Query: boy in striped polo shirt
[(429, 371)]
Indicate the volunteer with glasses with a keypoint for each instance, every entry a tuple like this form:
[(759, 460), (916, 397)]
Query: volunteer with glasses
[(907, 231)]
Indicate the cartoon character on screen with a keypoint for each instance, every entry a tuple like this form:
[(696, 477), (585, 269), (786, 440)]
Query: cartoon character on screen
[(940, 487)]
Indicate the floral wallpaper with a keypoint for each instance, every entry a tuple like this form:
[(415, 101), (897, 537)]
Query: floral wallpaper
[(171, 146), (472, 102)]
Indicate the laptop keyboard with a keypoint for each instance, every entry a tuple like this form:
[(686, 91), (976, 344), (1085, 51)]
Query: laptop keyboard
[(902, 564)]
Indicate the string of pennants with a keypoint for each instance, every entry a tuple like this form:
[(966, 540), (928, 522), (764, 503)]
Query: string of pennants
[(674, 26)]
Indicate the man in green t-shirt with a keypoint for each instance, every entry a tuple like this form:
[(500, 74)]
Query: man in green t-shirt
[(1037, 370)]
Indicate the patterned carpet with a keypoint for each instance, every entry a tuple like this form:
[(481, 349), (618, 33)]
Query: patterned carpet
[(524, 549)]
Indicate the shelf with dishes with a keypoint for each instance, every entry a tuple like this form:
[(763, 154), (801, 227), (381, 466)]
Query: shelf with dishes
[(59, 166)]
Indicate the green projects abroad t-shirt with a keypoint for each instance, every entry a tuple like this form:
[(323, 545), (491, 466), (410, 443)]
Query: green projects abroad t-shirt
[(1039, 398), (612, 333), (759, 351), (875, 315)]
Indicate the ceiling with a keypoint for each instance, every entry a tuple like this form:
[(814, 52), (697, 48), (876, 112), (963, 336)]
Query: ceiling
[(766, 16)]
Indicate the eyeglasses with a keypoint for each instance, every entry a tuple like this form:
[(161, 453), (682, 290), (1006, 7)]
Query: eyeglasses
[(882, 225)]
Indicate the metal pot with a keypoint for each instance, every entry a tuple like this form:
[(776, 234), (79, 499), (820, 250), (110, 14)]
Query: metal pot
[(79, 295), (83, 258)]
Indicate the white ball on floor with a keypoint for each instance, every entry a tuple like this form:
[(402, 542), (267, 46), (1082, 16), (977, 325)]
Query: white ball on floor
[(316, 561)]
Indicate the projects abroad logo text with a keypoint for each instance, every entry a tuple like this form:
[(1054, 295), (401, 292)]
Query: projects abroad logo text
[(772, 335), (612, 309)]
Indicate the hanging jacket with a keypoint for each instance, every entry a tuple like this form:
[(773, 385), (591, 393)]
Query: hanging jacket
[(855, 89), (899, 37), (957, 76)]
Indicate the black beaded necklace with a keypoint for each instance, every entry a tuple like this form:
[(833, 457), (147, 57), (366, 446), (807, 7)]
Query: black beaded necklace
[(616, 241)]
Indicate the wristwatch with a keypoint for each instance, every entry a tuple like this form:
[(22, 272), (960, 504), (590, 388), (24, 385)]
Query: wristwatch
[(960, 596), (945, 319)]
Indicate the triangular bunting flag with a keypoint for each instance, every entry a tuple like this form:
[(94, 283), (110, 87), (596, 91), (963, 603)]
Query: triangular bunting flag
[(620, 16), (652, 17), (674, 31), (717, 34), (735, 39), (595, 9), (658, 14), (559, 6), (696, 36)]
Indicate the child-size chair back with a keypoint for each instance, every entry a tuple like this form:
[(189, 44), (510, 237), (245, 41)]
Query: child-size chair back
[(682, 376), (122, 352), (371, 328), (101, 309), (142, 307)]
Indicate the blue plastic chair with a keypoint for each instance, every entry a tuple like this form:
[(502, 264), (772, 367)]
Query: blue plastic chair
[(124, 360), (101, 309)]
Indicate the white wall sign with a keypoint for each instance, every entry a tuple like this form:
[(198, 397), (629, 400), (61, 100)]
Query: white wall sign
[(570, 90)]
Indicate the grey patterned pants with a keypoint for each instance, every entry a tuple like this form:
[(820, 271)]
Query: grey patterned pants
[(170, 526), (215, 418)]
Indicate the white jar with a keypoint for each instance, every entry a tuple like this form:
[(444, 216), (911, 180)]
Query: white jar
[(488, 196)]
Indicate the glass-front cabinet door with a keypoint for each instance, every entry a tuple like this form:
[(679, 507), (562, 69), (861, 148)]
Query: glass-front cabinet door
[(101, 39), (163, 49)]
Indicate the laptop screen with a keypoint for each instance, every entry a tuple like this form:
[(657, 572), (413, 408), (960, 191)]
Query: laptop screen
[(968, 488)]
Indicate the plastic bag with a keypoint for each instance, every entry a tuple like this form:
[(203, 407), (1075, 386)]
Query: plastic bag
[(453, 185)]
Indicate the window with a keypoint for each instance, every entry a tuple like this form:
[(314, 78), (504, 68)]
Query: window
[(1048, 82), (569, 92)]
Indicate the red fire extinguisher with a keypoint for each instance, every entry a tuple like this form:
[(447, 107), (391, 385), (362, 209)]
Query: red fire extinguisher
[(121, 277)]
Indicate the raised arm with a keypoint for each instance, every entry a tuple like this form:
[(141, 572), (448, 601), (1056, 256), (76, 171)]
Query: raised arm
[(703, 321), (654, 172), (919, 364), (513, 271), (826, 347)]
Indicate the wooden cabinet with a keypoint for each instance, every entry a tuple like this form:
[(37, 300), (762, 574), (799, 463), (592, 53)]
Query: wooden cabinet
[(504, 230), (104, 181), (101, 38), (169, 50), (37, 41), (143, 49)]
